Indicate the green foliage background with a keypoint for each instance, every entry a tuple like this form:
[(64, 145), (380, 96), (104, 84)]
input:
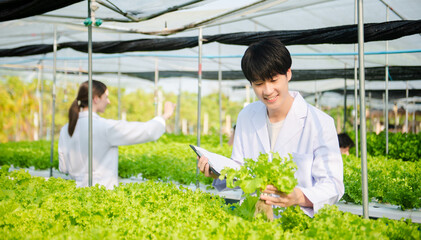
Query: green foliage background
[(391, 180), (170, 159), (403, 146), (20, 100)]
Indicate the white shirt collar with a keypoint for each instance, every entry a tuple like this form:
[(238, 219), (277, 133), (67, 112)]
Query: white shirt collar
[(84, 114)]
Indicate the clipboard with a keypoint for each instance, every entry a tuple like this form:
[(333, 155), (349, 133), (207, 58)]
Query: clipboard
[(199, 154)]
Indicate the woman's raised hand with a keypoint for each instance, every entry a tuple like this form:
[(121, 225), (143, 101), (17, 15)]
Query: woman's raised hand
[(168, 110)]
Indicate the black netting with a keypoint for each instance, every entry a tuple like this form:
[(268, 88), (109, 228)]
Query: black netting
[(373, 73), (15, 9), (333, 35)]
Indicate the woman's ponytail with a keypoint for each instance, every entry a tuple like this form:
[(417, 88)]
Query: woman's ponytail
[(81, 101), (73, 116)]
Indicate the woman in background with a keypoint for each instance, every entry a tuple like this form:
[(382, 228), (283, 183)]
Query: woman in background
[(107, 134)]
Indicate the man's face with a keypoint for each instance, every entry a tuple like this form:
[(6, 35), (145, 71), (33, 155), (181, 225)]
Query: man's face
[(273, 92), (102, 102)]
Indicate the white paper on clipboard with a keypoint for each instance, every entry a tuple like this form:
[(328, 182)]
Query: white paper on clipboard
[(216, 161)]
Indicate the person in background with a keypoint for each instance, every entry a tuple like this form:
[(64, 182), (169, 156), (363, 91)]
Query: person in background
[(283, 122), (107, 134), (345, 143), (231, 140)]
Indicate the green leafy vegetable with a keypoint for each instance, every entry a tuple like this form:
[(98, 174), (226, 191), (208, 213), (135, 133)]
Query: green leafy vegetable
[(36, 208), (256, 175)]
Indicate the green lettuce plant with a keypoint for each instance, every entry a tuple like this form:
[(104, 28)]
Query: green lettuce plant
[(254, 176)]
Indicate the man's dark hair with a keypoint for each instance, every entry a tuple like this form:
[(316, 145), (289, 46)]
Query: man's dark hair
[(265, 59), (345, 140)]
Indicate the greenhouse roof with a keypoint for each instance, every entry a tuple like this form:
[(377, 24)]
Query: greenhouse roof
[(166, 20)]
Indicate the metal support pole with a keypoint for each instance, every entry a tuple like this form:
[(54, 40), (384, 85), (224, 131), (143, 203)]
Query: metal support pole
[(369, 107), (387, 109), (220, 91), (177, 114), (220, 102), (345, 106), (356, 89), (41, 110), (406, 107), (316, 95), (384, 107), (54, 100), (397, 120), (199, 103), (119, 89), (156, 87), (387, 90), (65, 82), (362, 109), (90, 138), (41, 98), (413, 116)]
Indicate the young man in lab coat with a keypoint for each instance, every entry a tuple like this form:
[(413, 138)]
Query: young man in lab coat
[(282, 121)]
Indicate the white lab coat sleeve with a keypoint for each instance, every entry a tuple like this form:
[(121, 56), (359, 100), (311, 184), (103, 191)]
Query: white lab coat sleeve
[(126, 133), (61, 151), (327, 170)]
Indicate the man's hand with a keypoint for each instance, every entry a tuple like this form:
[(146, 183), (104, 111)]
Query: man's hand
[(168, 110), (285, 200), (203, 166)]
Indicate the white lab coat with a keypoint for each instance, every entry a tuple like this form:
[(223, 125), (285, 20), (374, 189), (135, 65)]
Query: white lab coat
[(309, 135), (107, 136)]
